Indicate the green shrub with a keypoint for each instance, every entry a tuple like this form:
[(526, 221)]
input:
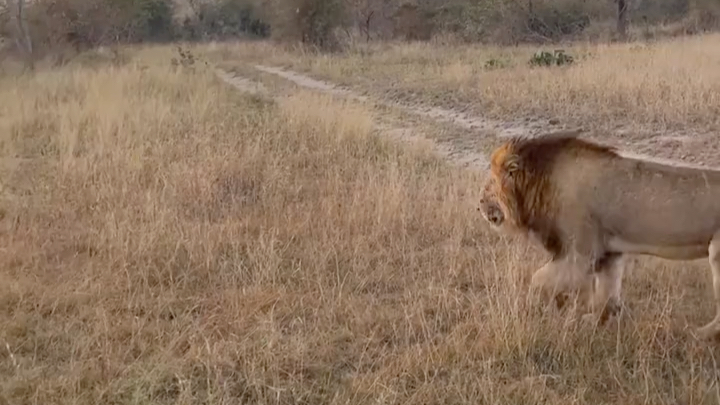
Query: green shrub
[(496, 63), (556, 58)]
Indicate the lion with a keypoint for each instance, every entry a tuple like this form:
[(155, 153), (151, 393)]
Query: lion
[(590, 206)]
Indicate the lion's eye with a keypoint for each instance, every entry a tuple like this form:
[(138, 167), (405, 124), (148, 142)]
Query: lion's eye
[(512, 167)]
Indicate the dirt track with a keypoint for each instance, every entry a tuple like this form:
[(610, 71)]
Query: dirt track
[(678, 148)]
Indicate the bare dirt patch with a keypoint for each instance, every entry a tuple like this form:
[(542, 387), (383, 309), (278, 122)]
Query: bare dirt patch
[(501, 128), (241, 83)]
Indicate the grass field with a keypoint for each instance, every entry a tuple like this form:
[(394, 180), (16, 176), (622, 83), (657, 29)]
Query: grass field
[(167, 239), (669, 84)]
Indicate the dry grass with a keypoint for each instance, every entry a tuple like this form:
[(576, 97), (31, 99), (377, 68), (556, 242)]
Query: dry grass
[(167, 240), (667, 84)]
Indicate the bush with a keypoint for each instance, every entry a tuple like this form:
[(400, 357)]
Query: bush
[(557, 58), (228, 18), (552, 23), (413, 23), (85, 24), (471, 21), (510, 22), (704, 15), (311, 22), (154, 20), (496, 63)]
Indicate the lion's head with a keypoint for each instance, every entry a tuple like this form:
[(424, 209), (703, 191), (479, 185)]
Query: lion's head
[(506, 188), (519, 192), (490, 206), (498, 202)]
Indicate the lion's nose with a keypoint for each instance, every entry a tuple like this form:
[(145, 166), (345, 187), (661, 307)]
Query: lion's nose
[(495, 216)]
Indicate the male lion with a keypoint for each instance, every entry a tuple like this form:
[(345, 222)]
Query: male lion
[(589, 206)]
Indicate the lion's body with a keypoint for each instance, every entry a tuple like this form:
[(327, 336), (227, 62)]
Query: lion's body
[(641, 207), (589, 206)]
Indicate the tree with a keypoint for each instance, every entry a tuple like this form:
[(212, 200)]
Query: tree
[(366, 12), (622, 17), (22, 37), (312, 22)]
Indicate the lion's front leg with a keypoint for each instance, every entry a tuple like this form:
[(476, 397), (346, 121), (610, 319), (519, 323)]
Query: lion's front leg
[(545, 283), (559, 278), (609, 271), (712, 329)]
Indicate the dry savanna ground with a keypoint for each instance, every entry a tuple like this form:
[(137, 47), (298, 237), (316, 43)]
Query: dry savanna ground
[(167, 239)]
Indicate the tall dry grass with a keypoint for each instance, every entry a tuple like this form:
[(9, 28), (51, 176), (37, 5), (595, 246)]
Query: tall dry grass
[(165, 239), (666, 84)]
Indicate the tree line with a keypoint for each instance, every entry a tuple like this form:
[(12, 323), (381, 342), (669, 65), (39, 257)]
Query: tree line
[(37, 25)]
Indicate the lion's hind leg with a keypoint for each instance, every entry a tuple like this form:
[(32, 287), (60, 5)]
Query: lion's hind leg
[(712, 329)]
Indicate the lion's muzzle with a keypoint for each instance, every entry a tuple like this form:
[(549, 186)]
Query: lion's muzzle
[(491, 212)]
